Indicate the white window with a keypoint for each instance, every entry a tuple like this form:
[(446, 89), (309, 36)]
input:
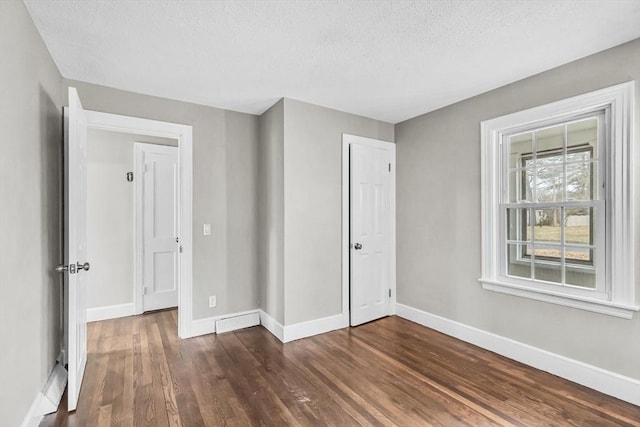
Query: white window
[(557, 202)]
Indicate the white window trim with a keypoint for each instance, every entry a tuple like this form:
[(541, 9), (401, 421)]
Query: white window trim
[(619, 100)]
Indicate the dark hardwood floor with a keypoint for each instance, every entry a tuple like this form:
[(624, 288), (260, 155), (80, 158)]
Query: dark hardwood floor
[(388, 372)]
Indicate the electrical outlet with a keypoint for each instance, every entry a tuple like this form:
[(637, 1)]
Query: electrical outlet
[(212, 301)]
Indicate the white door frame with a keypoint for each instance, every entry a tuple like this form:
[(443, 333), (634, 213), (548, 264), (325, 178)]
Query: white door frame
[(182, 133), (348, 139)]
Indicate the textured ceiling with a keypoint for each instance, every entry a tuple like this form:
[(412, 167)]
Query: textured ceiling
[(389, 60)]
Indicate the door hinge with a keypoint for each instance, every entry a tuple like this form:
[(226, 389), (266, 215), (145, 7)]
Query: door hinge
[(389, 167), (145, 290), (389, 293)]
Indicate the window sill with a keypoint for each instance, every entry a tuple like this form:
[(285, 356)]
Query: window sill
[(603, 307)]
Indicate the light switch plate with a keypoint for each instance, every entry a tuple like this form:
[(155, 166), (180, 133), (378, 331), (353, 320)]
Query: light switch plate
[(206, 229)]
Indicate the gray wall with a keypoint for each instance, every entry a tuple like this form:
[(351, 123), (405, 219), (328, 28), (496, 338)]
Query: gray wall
[(271, 211), (242, 211), (30, 220), (438, 220), (313, 205), (110, 215), (224, 175)]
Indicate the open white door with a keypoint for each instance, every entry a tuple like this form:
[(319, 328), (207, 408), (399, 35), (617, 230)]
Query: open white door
[(157, 210), (370, 232), (75, 244)]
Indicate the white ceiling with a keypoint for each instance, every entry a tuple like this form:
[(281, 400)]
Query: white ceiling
[(389, 60)]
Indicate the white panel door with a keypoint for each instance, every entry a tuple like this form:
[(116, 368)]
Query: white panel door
[(370, 234), (160, 226), (75, 242)]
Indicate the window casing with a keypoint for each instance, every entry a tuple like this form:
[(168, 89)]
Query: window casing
[(557, 212)]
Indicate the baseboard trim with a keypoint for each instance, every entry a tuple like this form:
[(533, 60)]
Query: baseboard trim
[(283, 333), (47, 401), (203, 326), (34, 415), (110, 312), (313, 327), (234, 323), (611, 383), (300, 330), (208, 325), (272, 325)]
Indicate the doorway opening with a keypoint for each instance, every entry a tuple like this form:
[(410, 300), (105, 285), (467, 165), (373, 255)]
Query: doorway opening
[(132, 223), (175, 137), (368, 230)]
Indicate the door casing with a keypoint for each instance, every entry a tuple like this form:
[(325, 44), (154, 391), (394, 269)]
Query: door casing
[(183, 134), (348, 139)]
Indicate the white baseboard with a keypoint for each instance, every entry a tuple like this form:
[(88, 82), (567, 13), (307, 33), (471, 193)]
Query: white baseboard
[(110, 312), (47, 401), (303, 329), (611, 383), (54, 388), (203, 327), (235, 323), (272, 325), (283, 333), (313, 327), (208, 325), (34, 416)]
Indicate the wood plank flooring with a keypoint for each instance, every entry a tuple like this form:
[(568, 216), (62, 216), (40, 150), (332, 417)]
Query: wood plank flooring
[(388, 372)]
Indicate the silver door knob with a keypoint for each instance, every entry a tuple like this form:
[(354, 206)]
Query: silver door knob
[(357, 246), (84, 266)]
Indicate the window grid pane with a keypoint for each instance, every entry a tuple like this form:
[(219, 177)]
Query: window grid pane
[(548, 232), (516, 266), (543, 269), (555, 174), (581, 277), (551, 231)]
